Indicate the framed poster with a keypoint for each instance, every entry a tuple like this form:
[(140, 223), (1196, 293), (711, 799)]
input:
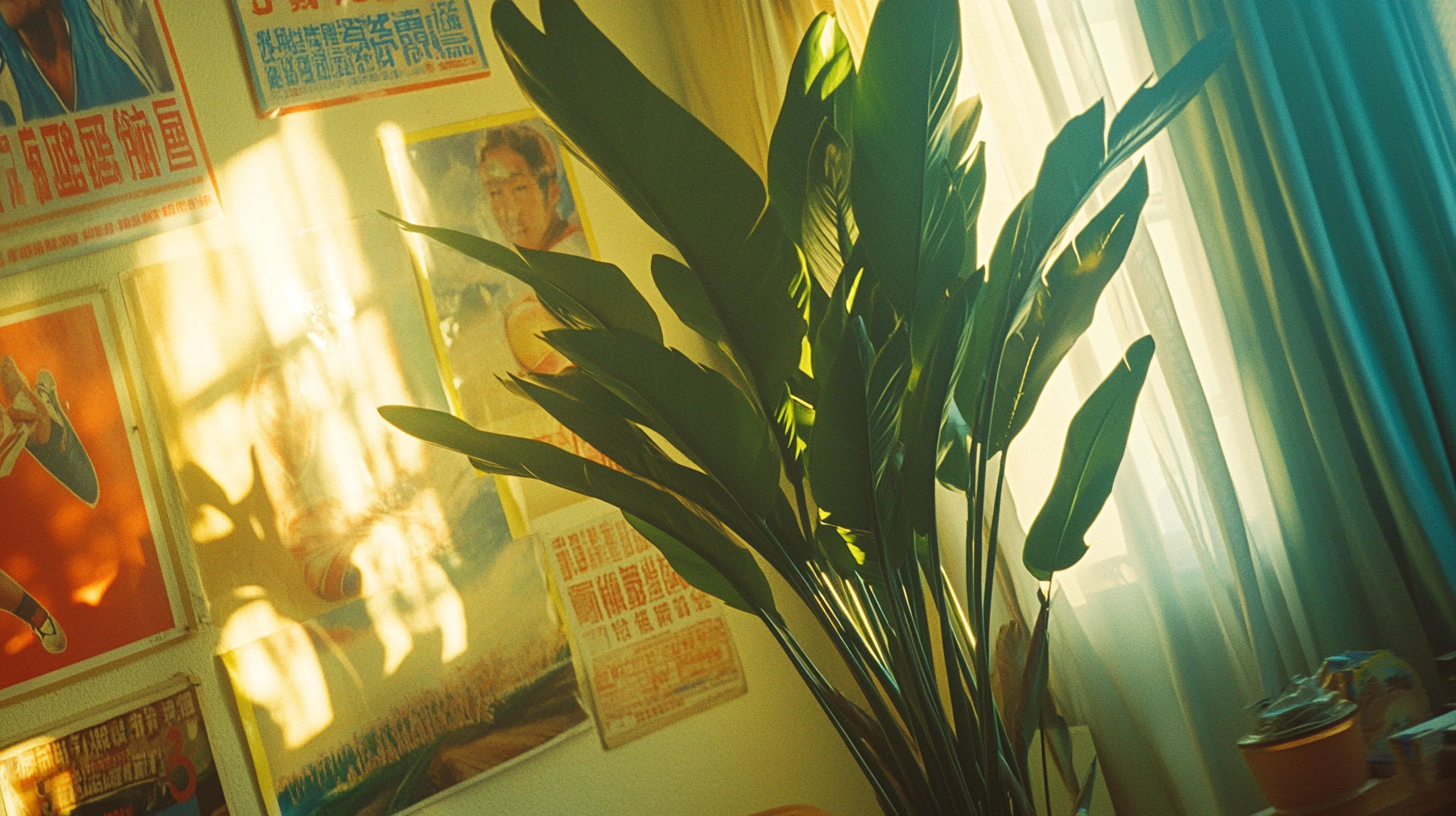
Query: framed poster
[(146, 757), (98, 141), (505, 178), (342, 716), (86, 565), (267, 367), (306, 54), (653, 649)]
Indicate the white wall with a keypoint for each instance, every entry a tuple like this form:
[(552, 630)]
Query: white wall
[(325, 168)]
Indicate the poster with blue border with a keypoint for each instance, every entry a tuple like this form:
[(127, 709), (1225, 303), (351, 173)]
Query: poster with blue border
[(306, 54)]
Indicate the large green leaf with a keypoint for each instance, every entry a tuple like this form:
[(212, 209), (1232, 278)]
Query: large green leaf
[(605, 421), (992, 305), (562, 304), (839, 462), (580, 291), (952, 453), (836, 319), (698, 410), (1149, 110), (609, 424), (903, 115), (692, 567), (970, 190), (966, 117), (885, 389), (828, 232), (688, 299), (808, 104), (1060, 306), (925, 409), (1078, 157), (601, 287), (528, 458), (943, 256), (1096, 439), (1070, 168), (683, 180)]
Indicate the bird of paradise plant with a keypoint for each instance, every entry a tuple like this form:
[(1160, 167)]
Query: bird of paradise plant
[(862, 355)]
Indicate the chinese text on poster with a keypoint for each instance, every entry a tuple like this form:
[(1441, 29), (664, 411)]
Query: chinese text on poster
[(654, 649), (103, 153), (307, 53), (152, 759)]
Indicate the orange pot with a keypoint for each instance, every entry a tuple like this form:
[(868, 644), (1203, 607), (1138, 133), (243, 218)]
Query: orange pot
[(1311, 770)]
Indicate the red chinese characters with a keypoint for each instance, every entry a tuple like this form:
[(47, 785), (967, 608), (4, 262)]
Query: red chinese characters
[(98, 152), (138, 142), (174, 135), (12, 189), (30, 150)]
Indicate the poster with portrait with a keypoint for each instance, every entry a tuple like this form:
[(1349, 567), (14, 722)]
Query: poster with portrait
[(505, 178), (652, 649), (86, 551), (349, 713), (147, 757), (306, 54), (99, 144), (267, 363)]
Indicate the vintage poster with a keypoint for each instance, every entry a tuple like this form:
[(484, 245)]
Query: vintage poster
[(507, 179), (653, 649), (379, 705), (267, 364), (141, 760), (98, 141), (86, 570), (306, 54)]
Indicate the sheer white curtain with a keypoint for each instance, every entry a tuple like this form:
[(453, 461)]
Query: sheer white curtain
[(1186, 609)]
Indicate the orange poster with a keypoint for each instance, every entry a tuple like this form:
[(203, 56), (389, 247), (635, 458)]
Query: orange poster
[(83, 576)]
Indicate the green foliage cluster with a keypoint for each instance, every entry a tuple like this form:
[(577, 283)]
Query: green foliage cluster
[(863, 355)]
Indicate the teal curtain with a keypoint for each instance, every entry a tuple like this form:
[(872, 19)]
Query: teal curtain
[(1321, 170)]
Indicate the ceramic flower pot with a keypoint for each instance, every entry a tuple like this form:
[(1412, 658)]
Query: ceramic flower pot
[(1305, 772)]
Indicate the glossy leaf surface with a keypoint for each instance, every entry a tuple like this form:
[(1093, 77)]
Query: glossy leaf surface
[(1095, 443), (527, 458), (697, 409)]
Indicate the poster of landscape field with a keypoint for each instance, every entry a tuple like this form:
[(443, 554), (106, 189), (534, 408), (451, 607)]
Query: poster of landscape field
[(386, 702)]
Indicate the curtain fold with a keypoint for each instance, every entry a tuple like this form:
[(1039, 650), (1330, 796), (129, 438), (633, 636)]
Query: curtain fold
[(1322, 168), (734, 61)]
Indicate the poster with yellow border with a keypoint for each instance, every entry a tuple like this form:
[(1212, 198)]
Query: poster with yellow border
[(390, 701), (505, 178)]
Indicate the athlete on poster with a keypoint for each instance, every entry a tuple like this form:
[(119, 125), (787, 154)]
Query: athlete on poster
[(84, 571), (505, 178), (98, 143)]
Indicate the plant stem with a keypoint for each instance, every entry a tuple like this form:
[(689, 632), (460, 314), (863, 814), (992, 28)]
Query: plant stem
[(884, 788)]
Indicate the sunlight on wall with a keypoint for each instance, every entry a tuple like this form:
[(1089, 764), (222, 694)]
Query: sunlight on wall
[(422, 600), (282, 673), (276, 346)]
